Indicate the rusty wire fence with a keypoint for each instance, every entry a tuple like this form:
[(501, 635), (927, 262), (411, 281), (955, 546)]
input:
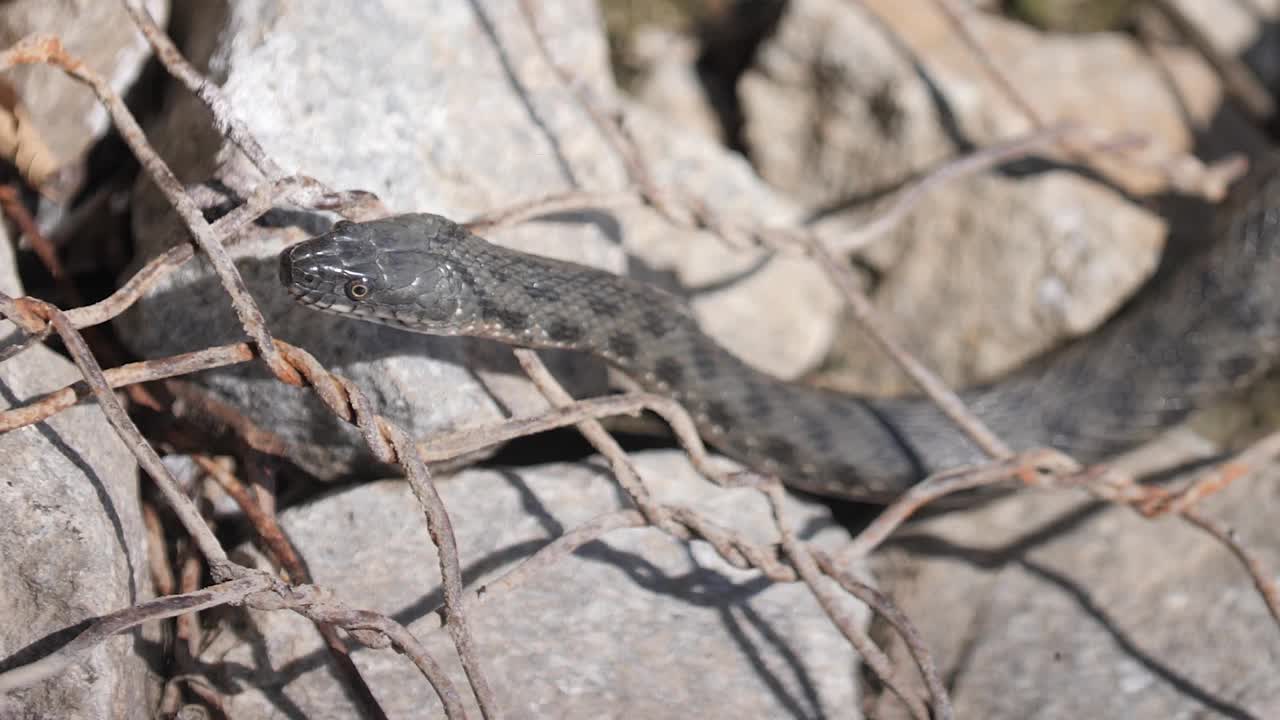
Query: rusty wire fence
[(788, 560)]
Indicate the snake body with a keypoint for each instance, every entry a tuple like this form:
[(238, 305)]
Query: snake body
[(1196, 332)]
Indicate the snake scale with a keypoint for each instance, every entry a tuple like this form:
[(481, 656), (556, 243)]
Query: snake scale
[(1206, 327)]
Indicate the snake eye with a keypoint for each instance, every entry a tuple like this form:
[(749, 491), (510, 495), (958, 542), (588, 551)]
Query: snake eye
[(357, 290)]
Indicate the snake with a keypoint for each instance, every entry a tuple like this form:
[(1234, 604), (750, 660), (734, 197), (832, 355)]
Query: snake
[(1193, 334)]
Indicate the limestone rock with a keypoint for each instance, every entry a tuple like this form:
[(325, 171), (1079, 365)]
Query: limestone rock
[(1246, 30), (846, 103), (668, 81), (74, 544), (67, 115), (1053, 606), (634, 625)]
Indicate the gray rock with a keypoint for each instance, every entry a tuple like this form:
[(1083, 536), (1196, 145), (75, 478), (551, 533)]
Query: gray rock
[(636, 625), (844, 104), (1051, 606), (986, 276), (69, 118), (667, 80), (1244, 30), (74, 544), (435, 116)]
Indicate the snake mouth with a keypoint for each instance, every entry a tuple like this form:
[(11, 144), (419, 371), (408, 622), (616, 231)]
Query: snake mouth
[(320, 300), (284, 271)]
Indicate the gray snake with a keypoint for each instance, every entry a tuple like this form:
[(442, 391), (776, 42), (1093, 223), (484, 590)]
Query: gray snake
[(1206, 327)]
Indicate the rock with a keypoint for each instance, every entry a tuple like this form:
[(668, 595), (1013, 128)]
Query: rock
[(634, 625), (691, 78), (1236, 29), (843, 105), (1024, 276), (436, 116), (668, 83), (69, 118), (74, 544), (1050, 605)]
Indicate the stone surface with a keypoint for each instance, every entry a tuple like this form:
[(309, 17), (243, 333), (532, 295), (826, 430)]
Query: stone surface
[(1248, 30), (101, 34), (984, 278), (667, 81), (1052, 606), (452, 111), (74, 544), (844, 105), (635, 625)]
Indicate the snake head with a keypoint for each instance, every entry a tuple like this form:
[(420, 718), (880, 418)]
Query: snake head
[(385, 271)]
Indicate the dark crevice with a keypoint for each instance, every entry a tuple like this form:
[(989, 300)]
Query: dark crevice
[(729, 43)]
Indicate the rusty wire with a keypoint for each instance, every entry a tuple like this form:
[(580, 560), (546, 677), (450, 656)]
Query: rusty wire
[(789, 560)]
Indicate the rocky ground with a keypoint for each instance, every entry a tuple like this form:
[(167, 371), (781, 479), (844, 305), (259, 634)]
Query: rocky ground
[(799, 114)]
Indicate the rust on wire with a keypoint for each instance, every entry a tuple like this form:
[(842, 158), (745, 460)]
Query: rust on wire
[(787, 560)]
